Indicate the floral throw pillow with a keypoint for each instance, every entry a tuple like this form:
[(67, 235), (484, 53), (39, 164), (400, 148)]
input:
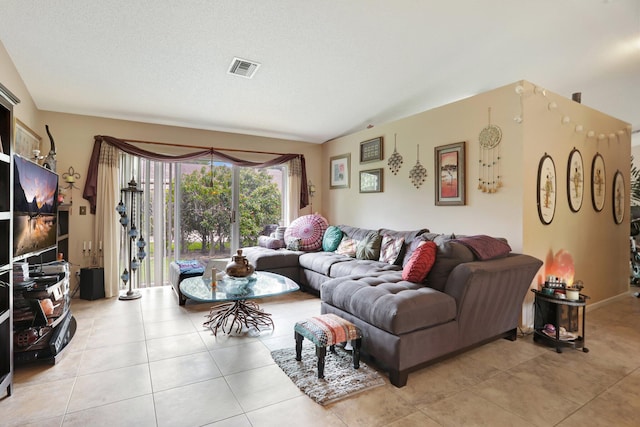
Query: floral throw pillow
[(390, 249)]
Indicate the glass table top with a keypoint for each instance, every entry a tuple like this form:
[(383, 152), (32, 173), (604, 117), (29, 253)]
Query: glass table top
[(261, 284)]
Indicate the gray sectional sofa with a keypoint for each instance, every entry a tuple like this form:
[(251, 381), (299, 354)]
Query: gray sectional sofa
[(462, 303)]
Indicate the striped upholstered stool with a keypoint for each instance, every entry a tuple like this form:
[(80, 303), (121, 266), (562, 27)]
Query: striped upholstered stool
[(327, 330)]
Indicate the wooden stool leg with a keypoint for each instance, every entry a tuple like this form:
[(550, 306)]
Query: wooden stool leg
[(321, 352), (356, 352), (299, 339)]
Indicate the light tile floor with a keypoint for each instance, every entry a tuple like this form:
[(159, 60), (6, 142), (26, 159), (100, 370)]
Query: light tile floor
[(149, 362)]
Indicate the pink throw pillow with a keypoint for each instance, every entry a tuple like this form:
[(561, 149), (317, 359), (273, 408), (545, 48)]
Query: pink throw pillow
[(420, 263)]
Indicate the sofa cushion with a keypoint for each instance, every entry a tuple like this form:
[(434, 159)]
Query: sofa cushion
[(359, 266), (270, 242), (355, 233), (280, 232), (420, 263), (390, 303), (347, 247), (269, 259), (321, 262), (449, 254), (390, 249), (485, 247), (331, 239), (369, 247), (309, 229)]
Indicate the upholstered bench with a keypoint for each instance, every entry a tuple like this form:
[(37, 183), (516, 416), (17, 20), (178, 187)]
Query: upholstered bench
[(180, 270), (327, 330)]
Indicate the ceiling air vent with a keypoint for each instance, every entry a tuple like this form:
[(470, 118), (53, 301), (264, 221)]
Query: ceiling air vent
[(243, 68)]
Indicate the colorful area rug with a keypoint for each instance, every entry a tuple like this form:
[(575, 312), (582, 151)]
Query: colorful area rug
[(340, 379)]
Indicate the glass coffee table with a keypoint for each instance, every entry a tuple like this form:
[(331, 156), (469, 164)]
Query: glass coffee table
[(236, 309)]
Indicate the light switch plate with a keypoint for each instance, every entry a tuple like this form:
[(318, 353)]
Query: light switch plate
[(83, 210)]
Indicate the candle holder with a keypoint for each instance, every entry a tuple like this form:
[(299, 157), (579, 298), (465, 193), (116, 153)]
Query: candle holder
[(132, 238)]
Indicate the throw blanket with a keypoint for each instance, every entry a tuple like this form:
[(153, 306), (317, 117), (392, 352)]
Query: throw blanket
[(190, 266), (485, 247)]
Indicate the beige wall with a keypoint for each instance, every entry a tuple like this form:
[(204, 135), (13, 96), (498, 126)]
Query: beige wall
[(402, 206), (599, 246), (74, 141), (26, 110)]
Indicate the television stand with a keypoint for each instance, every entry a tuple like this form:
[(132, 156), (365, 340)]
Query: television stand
[(42, 319)]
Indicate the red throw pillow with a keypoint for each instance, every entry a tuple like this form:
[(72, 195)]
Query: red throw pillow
[(420, 263)]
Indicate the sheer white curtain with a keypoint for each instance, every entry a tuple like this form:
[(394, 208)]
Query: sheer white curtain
[(107, 229), (295, 174)]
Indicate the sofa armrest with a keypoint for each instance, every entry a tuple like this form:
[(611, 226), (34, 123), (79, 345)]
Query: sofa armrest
[(489, 294)]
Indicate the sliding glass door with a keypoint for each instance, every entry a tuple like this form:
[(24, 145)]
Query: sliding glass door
[(203, 209)]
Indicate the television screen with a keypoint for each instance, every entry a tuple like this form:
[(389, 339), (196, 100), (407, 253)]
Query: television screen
[(35, 204)]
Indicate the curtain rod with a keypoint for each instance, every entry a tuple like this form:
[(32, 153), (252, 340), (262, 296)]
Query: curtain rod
[(168, 144)]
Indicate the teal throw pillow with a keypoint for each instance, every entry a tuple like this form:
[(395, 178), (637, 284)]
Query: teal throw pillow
[(331, 239)]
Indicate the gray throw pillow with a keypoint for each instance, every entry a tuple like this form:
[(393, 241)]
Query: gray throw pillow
[(369, 247), (449, 255)]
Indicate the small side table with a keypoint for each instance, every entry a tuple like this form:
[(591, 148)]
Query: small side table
[(549, 310)]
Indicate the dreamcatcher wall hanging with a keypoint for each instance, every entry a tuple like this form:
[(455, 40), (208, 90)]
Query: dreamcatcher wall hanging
[(489, 178), (395, 160)]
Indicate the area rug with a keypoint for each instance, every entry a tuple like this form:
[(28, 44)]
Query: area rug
[(340, 379)]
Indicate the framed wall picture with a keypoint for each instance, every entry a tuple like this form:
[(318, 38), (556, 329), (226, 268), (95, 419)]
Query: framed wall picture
[(618, 197), (450, 174), (598, 182), (340, 171), (25, 140), (546, 193), (371, 150), (575, 180), (371, 181)]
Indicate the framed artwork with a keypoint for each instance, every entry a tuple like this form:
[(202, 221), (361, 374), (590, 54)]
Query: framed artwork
[(575, 180), (546, 189), (598, 182), (450, 174), (25, 140), (618, 197), (371, 150), (371, 181), (340, 171)]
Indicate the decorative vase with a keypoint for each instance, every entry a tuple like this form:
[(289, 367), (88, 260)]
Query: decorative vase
[(239, 266)]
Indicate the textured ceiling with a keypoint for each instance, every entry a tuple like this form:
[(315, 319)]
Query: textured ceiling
[(328, 68)]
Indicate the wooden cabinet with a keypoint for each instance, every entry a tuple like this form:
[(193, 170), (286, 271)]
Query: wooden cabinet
[(7, 101)]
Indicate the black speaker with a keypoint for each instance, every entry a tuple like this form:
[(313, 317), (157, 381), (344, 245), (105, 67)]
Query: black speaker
[(91, 283)]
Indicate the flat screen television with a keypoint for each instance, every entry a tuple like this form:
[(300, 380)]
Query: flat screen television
[(35, 208)]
